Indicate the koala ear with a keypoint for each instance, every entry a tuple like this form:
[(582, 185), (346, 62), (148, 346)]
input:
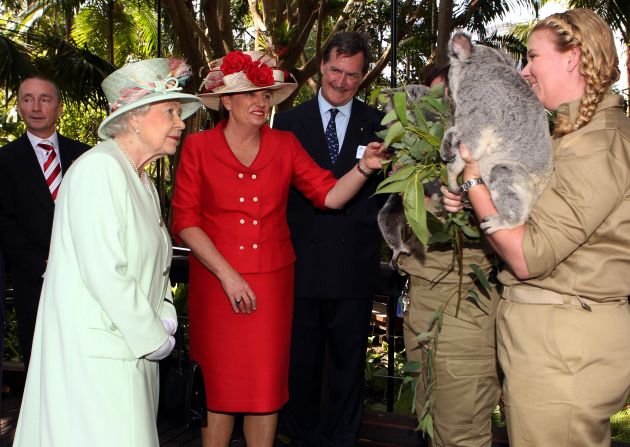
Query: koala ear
[(461, 45)]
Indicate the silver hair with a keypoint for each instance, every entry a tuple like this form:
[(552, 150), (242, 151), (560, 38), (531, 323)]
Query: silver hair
[(120, 124)]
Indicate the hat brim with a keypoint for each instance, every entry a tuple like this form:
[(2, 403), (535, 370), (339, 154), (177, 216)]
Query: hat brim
[(190, 104), (281, 92)]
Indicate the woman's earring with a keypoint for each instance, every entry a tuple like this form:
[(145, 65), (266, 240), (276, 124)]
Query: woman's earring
[(137, 130)]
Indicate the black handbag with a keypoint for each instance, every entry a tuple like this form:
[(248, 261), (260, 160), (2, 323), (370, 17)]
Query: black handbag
[(182, 391)]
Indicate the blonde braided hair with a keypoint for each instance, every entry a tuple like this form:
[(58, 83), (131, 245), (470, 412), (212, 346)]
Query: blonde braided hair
[(599, 65)]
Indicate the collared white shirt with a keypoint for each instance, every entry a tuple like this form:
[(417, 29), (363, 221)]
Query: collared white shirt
[(42, 154), (342, 118)]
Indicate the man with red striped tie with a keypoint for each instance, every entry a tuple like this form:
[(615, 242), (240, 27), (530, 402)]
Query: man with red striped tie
[(31, 170)]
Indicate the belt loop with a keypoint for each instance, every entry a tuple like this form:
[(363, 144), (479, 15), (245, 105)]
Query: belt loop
[(567, 300)]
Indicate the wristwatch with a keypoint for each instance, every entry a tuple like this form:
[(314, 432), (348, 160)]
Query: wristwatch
[(463, 189)]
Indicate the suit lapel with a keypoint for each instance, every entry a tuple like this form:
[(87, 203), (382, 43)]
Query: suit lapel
[(32, 174)]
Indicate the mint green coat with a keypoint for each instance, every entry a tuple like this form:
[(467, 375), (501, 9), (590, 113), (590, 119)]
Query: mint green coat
[(104, 293)]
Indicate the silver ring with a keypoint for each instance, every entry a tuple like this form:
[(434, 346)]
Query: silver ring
[(237, 301)]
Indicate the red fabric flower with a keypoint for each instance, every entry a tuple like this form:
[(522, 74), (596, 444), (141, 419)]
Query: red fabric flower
[(260, 74), (235, 61)]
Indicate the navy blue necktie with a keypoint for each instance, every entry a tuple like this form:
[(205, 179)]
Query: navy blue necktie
[(331, 136)]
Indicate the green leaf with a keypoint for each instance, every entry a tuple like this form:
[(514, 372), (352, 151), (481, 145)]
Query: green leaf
[(471, 232), (401, 174), (434, 224), (421, 121), (415, 212), (436, 104), (429, 425), (473, 296), (393, 133), (400, 105), (392, 187), (423, 336), (419, 149), (389, 117), (439, 238), (481, 277)]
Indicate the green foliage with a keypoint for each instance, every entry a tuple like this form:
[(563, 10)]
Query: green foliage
[(376, 378), (414, 133), (12, 351), (620, 425)]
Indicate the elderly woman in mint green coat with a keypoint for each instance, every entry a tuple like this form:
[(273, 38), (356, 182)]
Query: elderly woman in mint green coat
[(106, 316)]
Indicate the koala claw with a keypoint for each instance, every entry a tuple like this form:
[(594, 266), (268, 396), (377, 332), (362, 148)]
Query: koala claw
[(493, 223), (393, 264)]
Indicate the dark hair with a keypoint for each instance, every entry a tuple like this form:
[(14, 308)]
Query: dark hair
[(436, 71), (349, 43), (42, 78)]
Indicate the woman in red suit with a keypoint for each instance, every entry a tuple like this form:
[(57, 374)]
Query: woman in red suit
[(230, 208)]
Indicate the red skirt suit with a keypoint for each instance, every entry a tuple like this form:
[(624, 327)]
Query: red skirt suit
[(244, 358)]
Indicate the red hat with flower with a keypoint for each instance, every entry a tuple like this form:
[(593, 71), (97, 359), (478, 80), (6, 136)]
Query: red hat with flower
[(244, 71)]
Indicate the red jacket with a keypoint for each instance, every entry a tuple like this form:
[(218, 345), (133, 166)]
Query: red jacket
[(243, 209)]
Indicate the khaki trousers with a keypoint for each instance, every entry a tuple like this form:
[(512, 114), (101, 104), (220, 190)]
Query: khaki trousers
[(467, 385), (567, 370)]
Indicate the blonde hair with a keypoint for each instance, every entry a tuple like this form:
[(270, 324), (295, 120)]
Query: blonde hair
[(599, 65)]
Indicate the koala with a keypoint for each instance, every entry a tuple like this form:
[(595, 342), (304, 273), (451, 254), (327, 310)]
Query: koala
[(391, 217), (500, 119), (392, 222)]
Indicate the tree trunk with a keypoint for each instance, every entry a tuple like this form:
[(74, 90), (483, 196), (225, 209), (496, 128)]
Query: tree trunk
[(110, 31), (445, 16)]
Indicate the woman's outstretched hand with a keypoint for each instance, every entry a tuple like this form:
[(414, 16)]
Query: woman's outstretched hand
[(374, 153)]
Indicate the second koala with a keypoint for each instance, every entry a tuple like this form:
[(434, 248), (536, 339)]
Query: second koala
[(497, 115)]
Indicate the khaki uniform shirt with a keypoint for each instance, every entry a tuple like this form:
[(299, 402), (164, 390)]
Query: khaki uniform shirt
[(577, 238)]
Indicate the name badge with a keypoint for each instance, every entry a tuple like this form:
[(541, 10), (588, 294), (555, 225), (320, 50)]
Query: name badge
[(360, 151)]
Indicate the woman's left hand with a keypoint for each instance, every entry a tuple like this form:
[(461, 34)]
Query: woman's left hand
[(373, 155)]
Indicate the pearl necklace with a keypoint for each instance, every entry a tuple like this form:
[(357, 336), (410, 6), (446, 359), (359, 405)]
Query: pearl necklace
[(123, 149)]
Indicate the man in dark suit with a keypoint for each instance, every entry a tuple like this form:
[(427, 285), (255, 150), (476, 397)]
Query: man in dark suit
[(31, 170), (337, 267)]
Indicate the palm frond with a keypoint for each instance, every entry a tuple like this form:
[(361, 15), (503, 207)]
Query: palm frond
[(77, 72), (15, 63)]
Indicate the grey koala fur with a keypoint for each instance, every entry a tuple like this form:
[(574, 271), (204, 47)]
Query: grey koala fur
[(499, 118), (391, 217)]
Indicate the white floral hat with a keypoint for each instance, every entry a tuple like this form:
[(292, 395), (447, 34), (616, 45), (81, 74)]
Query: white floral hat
[(145, 82), (244, 71)]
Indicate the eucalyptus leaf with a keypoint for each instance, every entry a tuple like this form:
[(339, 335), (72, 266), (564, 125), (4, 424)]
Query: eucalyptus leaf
[(436, 104), (415, 212), (481, 277), (392, 187), (471, 232), (419, 149), (434, 224), (394, 132), (389, 117), (473, 296), (421, 121), (400, 106), (439, 238), (400, 174), (423, 336)]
